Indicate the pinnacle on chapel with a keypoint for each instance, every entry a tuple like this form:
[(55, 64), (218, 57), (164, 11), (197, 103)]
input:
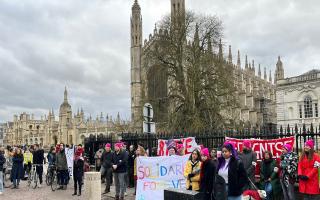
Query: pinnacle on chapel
[(238, 60), (230, 55)]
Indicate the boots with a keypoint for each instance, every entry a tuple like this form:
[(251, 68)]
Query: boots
[(75, 190), (117, 198), (79, 194)]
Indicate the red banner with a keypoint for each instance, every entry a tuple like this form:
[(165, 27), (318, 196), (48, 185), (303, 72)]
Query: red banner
[(189, 144), (259, 146)]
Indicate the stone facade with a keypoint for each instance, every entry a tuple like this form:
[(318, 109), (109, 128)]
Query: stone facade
[(298, 100), (69, 129), (256, 93)]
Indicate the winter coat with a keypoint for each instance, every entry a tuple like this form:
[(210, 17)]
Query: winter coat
[(247, 157), (120, 159), (2, 161), (17, 167), (38, 157), (106, 159), (194, 181), (131, 158), (207, 176), (51, 158), (78, 168), (237, 177), (266, 172), (306, 168), (27, 158), (61, 161), (289, 166)]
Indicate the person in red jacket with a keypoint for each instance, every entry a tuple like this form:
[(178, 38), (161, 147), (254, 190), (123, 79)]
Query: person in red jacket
[(307, 173)]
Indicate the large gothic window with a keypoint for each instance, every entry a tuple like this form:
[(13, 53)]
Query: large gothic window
[(308, 107)]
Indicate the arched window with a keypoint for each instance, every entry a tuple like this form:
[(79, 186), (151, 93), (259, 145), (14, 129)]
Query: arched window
[(308, 107)]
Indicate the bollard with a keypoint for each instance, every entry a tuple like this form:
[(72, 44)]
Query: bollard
[(92, 185)]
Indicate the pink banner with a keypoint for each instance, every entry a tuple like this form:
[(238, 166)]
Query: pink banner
[(259, 146), (189, 144)]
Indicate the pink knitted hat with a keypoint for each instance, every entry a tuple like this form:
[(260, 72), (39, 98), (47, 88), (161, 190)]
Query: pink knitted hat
[(247, 143), (118, 144), (108, 145), (205, 152), (288, 147), (309, 143)]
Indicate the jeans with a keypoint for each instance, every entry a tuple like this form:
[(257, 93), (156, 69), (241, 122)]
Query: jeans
[(107, 174), (233, 197), (1, 181), (119, 181), (268, 189), (288, 192), (63, 177), (16, 182)]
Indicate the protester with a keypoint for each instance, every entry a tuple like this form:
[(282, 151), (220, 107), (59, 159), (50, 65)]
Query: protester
[(2, 162), (139, 152), (126, 178), (131, 158), (207, 175), (180, 149), (78, 171), (249, 160), (213, 155), (38, 159), (307, 173), (97, 158), (106, 167), (119, 160), (232, 171), (27, 162), (269, 177), (192, 171), (62, 167), (51, 157), (288, 165), (17, 168)]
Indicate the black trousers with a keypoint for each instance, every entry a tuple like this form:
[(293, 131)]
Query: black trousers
[(77, 183), (39, 170), (131, 177)]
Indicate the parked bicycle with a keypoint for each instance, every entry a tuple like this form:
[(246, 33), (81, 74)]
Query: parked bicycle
[(54, 179), (33, 177), (49, 174)]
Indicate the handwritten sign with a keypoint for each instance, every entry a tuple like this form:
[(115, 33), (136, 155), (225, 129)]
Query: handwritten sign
[(155, 174), (69, 155), (189, 144), (260, 146)]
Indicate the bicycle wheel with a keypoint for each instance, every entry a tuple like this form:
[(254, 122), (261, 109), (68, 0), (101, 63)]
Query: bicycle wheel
[(30, 177), (34, 181), (54, 181), (48, 178)]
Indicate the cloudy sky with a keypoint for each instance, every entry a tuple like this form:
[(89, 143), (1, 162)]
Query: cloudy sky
[(46, 45)]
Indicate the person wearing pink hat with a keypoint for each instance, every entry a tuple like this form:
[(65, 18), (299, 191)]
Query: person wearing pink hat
[(249, 160), (78, 171), (307, 173), (289, 166), (192, 171), (207, 174), (119, 160), (106, 167)]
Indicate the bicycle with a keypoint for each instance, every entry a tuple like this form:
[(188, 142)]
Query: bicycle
[(54, 180), (33, 176), (49, 174)]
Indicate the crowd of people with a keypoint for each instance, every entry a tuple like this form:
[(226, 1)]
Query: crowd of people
[(229, 174)]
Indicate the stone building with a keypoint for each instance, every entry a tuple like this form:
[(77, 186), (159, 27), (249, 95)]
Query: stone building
[(66, 127), (255, 90), (298, 98)]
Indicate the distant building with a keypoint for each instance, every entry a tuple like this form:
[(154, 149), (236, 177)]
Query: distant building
[(298, 99), (69, 129)]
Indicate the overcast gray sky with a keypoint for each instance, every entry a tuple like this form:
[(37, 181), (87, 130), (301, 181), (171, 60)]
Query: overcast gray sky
[(84, 44)]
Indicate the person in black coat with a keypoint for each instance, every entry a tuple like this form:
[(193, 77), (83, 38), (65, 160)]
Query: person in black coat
[(38, 159), (78, 171), (132, 156), (233, 172), (17, 168), (119, 160), (207, 174), (106, 167)]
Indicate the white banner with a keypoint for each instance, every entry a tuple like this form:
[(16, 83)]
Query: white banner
[(70, 155), (189, 144), (155, 174)]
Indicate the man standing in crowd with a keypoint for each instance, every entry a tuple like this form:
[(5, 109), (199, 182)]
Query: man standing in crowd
[(131, 158), (97, 157), (119, 160), (249, 160), (62, 167), (38, 159), (106, 167)]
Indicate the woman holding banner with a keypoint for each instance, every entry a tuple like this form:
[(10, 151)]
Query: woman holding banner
[(192, 171), (288, 165), (308, 173), (231, 169)]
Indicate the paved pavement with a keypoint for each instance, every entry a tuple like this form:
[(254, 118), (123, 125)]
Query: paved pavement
[(45, 193)]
